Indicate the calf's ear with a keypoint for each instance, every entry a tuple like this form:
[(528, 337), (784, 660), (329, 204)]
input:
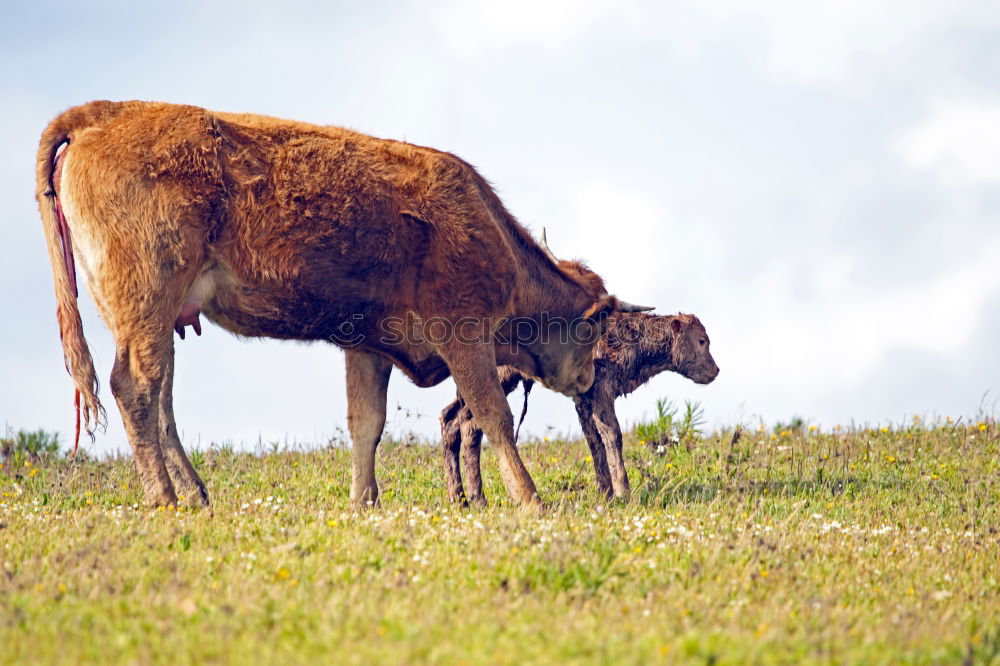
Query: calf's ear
[(676, 325)]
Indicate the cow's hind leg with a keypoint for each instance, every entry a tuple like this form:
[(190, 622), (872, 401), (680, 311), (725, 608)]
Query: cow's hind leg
[(367, 382), (136, 381), (143, 242), (186, 481)]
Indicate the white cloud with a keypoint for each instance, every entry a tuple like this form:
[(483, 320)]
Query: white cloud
[(814, 42), (472, 28), (825, 41), (846, 332), (959, 142), (616, 230), (634, 241)]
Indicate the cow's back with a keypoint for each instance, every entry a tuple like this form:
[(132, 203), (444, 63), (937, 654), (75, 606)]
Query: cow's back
[(356, 218), (303, 226), (310, 205), (170, 150)]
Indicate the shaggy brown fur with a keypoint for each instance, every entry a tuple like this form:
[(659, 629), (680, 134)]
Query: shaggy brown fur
[(283, 229), (635, 348)]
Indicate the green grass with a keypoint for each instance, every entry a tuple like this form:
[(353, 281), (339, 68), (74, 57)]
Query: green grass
[(866, 546)]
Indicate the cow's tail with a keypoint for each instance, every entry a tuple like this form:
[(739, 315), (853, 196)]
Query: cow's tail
[(76, 353)]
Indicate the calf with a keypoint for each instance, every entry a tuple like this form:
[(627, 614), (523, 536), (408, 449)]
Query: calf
[(635, 348)]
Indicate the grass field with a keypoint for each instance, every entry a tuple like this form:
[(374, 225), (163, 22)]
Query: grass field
[(859, 546)]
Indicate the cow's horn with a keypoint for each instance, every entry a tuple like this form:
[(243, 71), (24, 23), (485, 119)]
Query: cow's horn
[(545, 248), (625, 306)]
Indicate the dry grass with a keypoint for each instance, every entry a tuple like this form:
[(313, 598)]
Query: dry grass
[(864, 546)]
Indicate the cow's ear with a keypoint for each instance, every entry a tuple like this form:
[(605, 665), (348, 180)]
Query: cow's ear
[(676, 325), (599, 312), (601, 308)]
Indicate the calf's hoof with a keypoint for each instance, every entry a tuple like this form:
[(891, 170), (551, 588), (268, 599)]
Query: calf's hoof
[(623, 497), (478, 500)]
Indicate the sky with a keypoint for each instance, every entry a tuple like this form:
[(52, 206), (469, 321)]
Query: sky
[(819, 182)]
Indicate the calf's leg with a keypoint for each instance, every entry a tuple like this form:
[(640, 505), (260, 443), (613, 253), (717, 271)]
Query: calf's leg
[(451, 442), (606, 423), (472, 443), (585, 411), (367, 382)]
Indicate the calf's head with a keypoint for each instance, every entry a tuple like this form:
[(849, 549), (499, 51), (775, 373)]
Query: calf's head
[(689, 349)]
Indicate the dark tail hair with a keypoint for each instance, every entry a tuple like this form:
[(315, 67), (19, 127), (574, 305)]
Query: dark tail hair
[(76, 353)]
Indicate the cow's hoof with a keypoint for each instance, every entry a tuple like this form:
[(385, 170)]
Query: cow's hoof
[(162, 500), (194, 498), (534, 507), (366, 505)]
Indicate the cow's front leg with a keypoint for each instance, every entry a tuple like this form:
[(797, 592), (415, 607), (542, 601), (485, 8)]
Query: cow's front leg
[(585, 411), (473, 365), (367, 382), (185, 479), (606, 422)]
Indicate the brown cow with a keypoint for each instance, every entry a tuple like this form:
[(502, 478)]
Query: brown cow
[(635, 348), (402, 255)]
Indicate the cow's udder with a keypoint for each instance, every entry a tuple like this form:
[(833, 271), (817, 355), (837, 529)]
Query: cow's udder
[(188, 317)]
